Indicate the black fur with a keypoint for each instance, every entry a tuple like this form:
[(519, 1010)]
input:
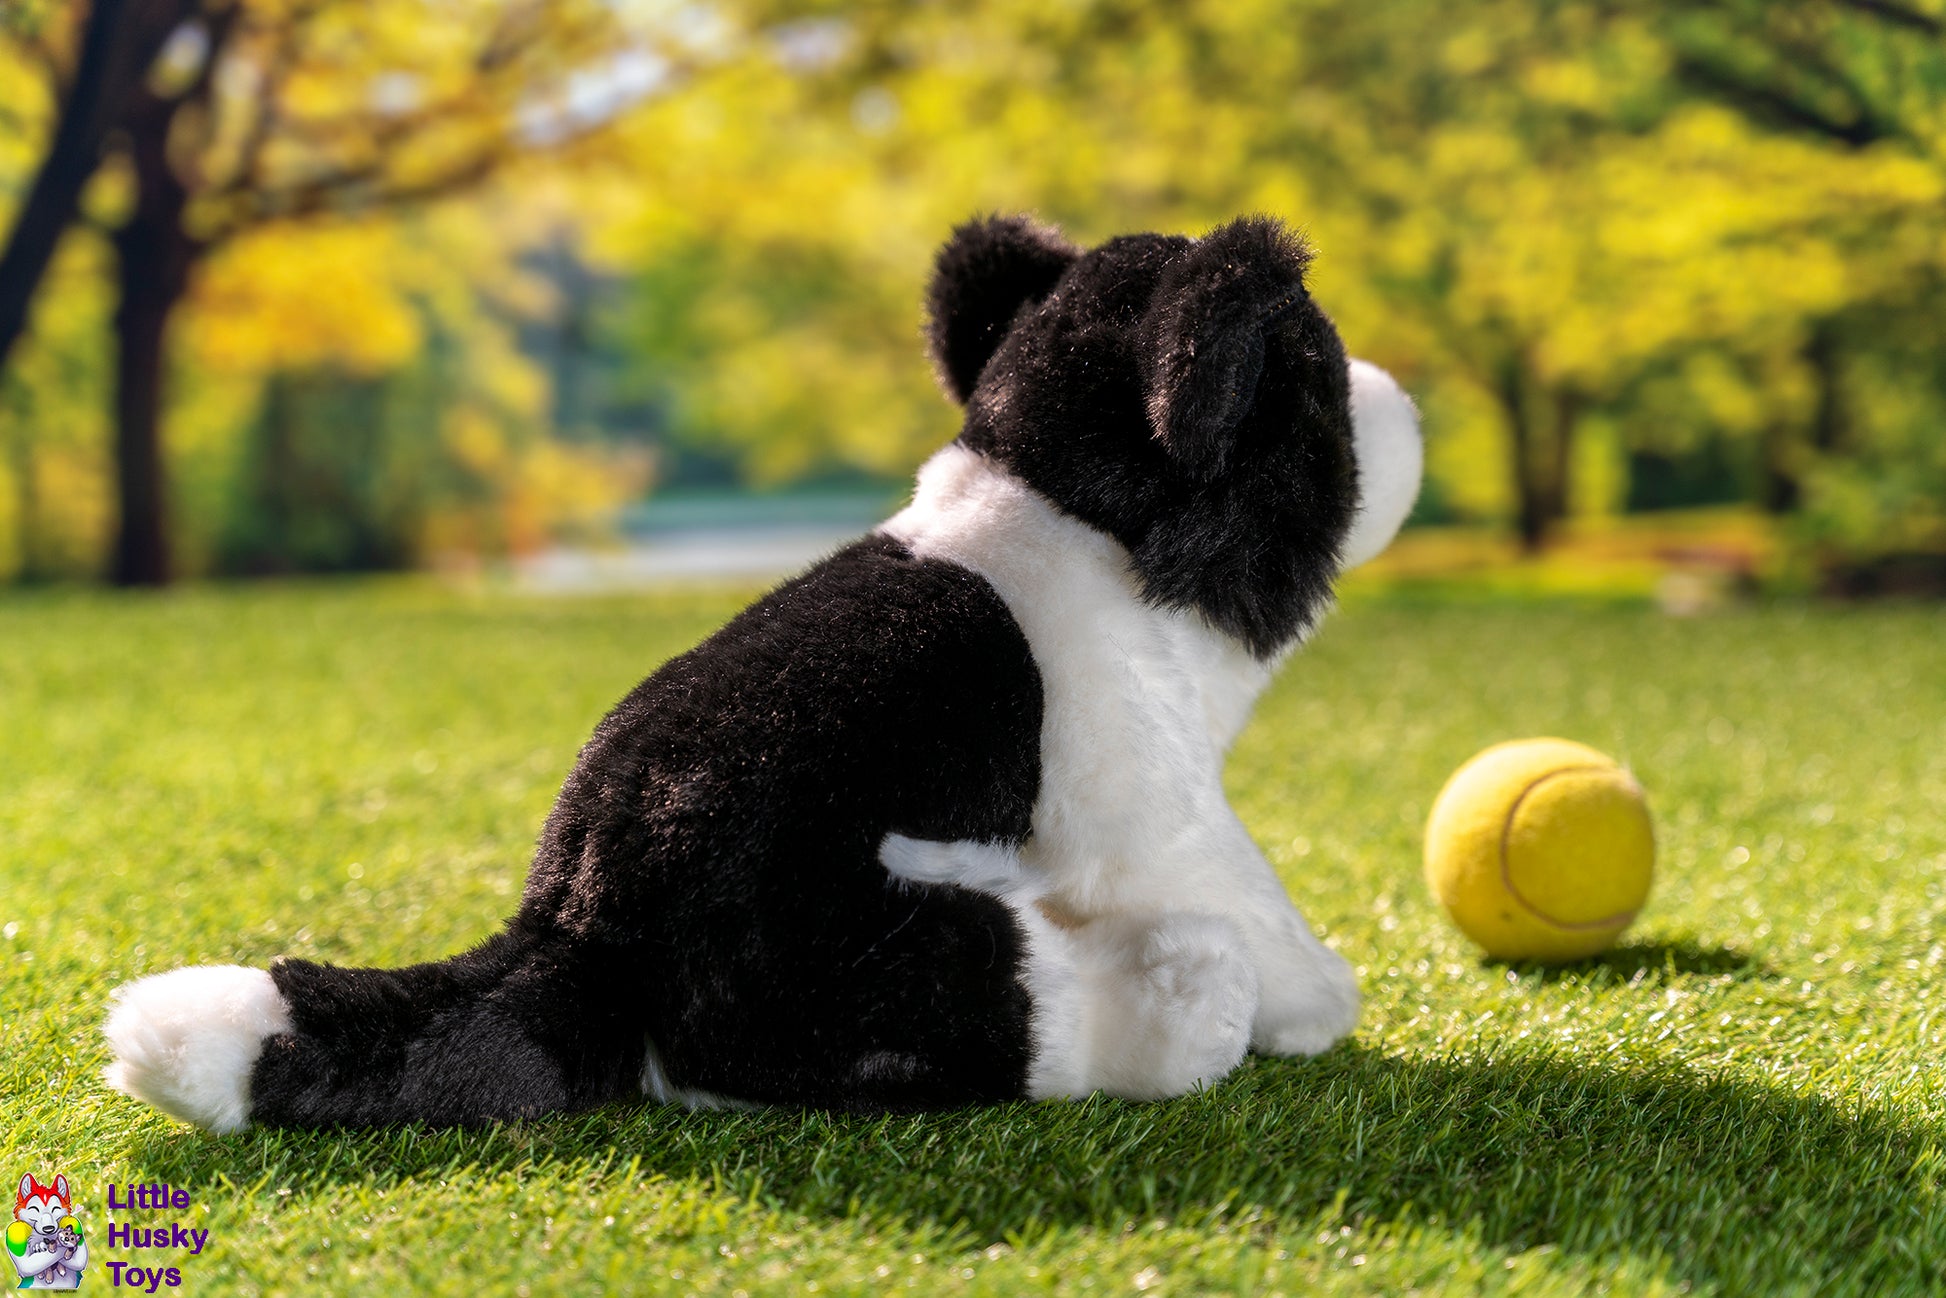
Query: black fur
[(708, 884), (709, 880), (1191, 400), (985, 274), (522, 1025), (1202, 340)]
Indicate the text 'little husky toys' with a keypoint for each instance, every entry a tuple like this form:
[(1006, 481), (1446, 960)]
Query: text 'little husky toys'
[(940, 821)]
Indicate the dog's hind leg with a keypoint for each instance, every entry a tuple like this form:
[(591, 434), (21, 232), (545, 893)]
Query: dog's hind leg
[(1138, 1007)]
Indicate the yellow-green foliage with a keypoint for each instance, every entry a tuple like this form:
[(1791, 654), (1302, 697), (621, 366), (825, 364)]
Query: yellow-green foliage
[(328, 128), (1575, 231)]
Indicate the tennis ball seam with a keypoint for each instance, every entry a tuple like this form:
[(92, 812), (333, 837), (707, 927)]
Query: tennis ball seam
[(1619, 920)]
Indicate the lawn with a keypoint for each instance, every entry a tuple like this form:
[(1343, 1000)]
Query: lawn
[(1745, 1097)]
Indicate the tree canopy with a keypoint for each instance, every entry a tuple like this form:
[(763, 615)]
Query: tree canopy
[(1591, 238)]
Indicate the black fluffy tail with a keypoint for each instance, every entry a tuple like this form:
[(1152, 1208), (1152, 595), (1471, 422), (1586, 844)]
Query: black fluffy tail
[(525, 1024)]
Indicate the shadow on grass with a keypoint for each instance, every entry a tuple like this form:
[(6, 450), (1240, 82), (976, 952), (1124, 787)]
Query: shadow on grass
[(1635, 962), (1727, 1183)]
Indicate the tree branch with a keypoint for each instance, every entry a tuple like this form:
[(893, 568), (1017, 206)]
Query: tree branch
[(1898, 15), (118, 42), (353, 164), (247, 189), (248, 172), (1764, 102), (357, 189)]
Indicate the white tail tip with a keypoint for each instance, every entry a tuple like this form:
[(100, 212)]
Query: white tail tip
[(187, 1040)]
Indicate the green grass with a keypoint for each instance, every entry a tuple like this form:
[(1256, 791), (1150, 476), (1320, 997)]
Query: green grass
[(1745, 1097)]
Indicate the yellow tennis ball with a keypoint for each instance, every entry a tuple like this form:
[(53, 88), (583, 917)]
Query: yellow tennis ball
[(1541, 849)]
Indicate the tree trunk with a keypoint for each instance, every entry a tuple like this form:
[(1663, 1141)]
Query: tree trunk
[(276, 490), (1821, 351), (1531, 515), (1782, 491), (154, 258), (1558, 461), (1540, 436), (1783, 456), (120, 40)]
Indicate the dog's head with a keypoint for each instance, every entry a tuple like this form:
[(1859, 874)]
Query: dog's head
[(1186, 396), (42, 1206)]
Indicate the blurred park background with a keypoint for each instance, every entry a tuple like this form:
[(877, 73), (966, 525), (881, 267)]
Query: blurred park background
[(567, 294), (300, 286)]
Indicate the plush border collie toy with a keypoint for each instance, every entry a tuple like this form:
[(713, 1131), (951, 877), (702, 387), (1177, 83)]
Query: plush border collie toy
[(940, 821)]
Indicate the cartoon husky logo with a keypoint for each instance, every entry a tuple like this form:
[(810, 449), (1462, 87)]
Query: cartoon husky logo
[(44, 1240)]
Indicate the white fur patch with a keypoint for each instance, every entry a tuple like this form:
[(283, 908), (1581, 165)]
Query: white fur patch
[(984, 867), (1391, 457), (1062, 1064), (657, 1086), (186, 1040)]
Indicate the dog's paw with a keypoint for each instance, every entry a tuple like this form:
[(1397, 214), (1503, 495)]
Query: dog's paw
[(1312, 1007), (186, 1041), (1178, 1012), (1206, 990)]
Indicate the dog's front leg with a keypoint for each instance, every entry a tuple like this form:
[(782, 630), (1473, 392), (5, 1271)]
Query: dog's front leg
[(1309, 998)]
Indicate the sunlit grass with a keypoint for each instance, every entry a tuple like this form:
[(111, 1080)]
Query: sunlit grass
[(1746, 1097)]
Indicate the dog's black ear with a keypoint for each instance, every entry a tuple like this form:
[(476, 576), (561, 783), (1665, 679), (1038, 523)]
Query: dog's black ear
[(987, 271), (1202, 339)]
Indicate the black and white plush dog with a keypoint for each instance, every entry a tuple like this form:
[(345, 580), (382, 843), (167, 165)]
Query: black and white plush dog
[(940, 821)]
